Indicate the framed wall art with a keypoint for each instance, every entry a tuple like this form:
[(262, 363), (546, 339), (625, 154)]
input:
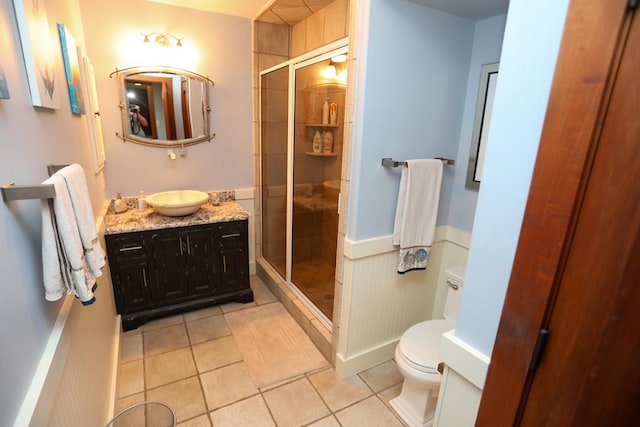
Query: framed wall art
[(38, 51), (94, 122), (484, 105), (71, 69), (4, 88)]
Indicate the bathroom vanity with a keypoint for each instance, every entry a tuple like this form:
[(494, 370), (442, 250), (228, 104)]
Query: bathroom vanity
[(162, 265)]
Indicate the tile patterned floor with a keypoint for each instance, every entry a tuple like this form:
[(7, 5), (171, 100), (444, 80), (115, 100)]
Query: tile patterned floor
[(192, 363)]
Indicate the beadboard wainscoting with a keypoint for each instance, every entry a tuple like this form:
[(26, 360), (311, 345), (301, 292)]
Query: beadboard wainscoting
[(75, 381), (379, 305)]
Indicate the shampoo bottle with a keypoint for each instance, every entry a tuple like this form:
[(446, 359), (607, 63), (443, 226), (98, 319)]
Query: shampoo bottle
[(317, 142), (327, 145), (325, 112)]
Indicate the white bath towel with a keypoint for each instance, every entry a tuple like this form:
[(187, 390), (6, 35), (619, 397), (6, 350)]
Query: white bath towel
[(416, 213), (65, 262), (79, 194)]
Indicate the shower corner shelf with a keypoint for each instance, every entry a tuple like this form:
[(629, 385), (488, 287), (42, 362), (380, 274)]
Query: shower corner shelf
[(311, 153), (319, 125)]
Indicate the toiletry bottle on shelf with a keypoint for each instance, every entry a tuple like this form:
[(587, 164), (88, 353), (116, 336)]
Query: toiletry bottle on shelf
[(327, 145), (119, 205), (325, 112), (333, 113), (317, 142), (142, 202)]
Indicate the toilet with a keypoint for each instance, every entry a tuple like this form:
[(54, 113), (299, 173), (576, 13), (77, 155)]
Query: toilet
[(418, 356)]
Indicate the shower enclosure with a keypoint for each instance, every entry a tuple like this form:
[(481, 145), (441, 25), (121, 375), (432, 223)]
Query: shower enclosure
[(302, 123)]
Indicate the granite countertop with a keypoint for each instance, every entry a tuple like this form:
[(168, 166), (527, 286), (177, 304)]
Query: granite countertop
[(134, 220)]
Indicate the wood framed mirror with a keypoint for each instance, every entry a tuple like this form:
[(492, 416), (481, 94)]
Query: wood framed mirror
[(164, 106)]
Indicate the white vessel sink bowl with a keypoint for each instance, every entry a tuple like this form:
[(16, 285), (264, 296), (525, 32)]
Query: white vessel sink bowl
[(178, 202)]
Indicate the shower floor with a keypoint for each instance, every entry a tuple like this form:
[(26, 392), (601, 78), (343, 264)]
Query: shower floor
[(315, 278)]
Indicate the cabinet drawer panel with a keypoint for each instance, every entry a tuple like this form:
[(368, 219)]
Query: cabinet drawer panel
[(130, 247), (232, 233)]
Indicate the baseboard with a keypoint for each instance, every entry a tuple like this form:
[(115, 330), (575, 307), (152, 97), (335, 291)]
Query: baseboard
[(114, 368), (363, 361)]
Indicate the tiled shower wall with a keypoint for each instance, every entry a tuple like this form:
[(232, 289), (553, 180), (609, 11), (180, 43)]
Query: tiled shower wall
[(274, 44)]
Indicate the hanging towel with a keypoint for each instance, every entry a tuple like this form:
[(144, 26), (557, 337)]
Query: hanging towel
[(69, 266), (416, 213), (79, 193)]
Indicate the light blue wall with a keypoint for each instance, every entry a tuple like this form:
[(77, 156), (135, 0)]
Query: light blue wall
[(529, 53), (487, 44), (31, 139), (416, 74)]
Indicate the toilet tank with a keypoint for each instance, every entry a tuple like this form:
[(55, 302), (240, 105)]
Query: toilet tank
[(454, 278)]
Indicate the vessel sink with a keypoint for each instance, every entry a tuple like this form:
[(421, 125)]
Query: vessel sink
[(178, 202)]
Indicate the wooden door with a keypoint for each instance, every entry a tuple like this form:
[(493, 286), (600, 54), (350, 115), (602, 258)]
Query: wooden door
[(577, 267)]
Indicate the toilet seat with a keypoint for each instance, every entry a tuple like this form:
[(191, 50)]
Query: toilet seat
[(419, 346)]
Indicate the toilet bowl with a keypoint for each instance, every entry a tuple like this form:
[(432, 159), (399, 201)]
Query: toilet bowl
[(418, 355)]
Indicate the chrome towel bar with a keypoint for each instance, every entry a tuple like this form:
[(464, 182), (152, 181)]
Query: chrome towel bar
[(387, 161), (10, 191)]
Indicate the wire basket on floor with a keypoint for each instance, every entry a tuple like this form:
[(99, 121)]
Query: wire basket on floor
[(145, 414)]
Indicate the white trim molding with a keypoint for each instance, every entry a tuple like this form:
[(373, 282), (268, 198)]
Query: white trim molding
[(464, 359)]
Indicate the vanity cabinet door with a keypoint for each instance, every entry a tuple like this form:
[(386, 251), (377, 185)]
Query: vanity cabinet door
[(233, 260), (128, 262), (132, 288), (200, 265), (169, 270)]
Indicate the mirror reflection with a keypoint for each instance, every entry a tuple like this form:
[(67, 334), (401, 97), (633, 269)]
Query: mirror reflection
[(164, 106)]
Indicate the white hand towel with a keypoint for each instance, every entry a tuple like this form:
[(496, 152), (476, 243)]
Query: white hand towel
[(416, 213), (79, 194), (66, 267)]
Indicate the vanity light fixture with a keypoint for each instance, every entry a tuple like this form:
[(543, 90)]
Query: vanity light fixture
[(162, 39)]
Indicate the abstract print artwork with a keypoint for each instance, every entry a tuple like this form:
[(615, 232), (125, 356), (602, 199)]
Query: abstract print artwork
[(71, 69), (4, 88), (38, 51)]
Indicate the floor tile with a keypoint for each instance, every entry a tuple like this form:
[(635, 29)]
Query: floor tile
[(369, 412), (205, 312), (308, 405), (235, 306), (201, 421), (250, 412), (390, 393), (329, 421), (126, 402), (215, 354), (382, 376), (339, 393), (168, 367), (162, 323), (166, 339), (272, 344), (130, 348), (130, 378), (184, 397), (261, 294), (206, 329), (227, 385)]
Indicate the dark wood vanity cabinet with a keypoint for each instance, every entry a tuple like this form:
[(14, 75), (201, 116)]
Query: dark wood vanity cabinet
[(162, 272)]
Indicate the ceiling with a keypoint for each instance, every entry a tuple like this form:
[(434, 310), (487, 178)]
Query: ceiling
[(293, 11), (471, 9)]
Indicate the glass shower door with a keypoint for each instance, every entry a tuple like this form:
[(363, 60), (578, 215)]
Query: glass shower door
[(317, 161), (274, 130)]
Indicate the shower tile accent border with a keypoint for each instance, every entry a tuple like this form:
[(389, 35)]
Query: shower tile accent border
[(320, 336)]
